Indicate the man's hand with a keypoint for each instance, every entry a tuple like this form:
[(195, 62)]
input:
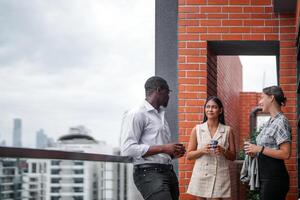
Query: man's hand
[(175, 150)]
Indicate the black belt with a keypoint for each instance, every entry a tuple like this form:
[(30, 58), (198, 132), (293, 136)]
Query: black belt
[(150, 166)]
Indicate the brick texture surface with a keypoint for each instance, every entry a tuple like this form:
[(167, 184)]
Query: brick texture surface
[(200, 21)]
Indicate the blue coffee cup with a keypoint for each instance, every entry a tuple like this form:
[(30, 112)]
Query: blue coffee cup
[(213, 144)]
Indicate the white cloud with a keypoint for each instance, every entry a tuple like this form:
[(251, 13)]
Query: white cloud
[(66, 63)]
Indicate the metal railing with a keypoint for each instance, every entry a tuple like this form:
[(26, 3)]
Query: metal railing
[(13, 152)]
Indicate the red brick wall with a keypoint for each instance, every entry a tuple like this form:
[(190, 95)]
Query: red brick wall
[(230, 84), (204, 20), (248, 101), (229, 88), (212, 74)]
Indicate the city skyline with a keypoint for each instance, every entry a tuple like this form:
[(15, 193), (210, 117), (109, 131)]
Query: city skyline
[(42, 140)]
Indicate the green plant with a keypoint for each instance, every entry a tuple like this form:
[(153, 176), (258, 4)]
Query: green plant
[(254, 135), (241, 155), (252, 195)]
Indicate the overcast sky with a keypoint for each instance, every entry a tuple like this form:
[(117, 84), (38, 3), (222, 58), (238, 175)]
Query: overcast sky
[(258, 72), (79, 62), (73, 62)]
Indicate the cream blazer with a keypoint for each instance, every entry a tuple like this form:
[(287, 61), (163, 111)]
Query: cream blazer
[(210, 177)]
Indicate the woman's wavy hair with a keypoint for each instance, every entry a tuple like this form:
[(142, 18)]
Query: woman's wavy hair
[(220, 105)]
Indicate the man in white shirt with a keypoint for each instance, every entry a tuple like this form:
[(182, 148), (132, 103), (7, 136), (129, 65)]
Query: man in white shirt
[(146, 137)]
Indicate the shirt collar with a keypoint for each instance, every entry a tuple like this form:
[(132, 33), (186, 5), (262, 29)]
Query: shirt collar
[(149, 107), (275, 117)]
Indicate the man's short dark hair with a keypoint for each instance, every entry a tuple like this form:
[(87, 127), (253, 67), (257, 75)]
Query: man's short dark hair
[(155, 82)]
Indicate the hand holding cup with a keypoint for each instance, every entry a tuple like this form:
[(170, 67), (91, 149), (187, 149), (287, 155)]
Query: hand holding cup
[(213, 145), (247, 144)]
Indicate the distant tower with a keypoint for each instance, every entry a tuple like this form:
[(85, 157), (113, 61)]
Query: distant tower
[(17, 133), (41, 139)]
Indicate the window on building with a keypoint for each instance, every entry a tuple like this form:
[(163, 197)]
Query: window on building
[(55, 180), (78, 189), (33, 167), (8, 171), (78, 197), (78, 180), (32, 179), (40, 167), (45, 167), (95, 184), (78, 163), (55, 162), (55, 171), (32, 186), (55, 189), (9, 164), (78, 171)]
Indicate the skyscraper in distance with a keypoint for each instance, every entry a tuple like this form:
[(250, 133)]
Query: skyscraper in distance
[(42, 140), (17, 133)]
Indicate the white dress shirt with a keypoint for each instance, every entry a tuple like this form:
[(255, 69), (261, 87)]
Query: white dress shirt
[(143, 127)]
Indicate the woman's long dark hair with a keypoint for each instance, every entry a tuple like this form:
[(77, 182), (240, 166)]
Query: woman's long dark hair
[(220, 105)]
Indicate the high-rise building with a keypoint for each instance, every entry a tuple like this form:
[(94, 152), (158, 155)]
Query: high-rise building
[(34, 180), (81, 180), (42, 140), (17, 133), (11, 179)]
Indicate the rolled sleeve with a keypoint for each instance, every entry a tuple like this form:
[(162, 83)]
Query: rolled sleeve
[(283, 133), (131, 132)]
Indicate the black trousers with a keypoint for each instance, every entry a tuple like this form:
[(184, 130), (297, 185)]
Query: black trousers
[(274, 178), (156, 183), (273, 189)]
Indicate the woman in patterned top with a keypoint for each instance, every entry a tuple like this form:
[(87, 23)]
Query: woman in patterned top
[(273, 146)]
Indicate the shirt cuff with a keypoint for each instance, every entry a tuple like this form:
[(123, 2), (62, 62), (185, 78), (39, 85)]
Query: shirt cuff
[(143, 149)]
